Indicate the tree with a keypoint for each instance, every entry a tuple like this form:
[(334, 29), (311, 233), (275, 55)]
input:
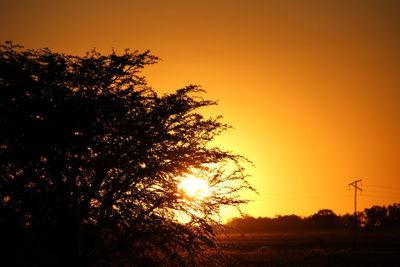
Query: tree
[(394, 216), (91, 159), (347, 220), (376, 216), (325, 218)]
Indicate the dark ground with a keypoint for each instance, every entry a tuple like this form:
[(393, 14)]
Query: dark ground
[(307, 249)]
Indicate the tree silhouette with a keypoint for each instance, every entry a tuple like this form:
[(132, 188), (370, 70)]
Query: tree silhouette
[(394, 216), (376, 216), (325, 218), (91, 159)]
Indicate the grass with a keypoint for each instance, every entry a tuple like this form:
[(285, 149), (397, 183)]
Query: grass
[(306, 249)]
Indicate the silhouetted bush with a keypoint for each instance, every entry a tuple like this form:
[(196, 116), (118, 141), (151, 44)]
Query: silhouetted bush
[(325, 219), (91, 159)]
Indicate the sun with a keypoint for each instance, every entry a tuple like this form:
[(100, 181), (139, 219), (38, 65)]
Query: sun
[(195, 187)]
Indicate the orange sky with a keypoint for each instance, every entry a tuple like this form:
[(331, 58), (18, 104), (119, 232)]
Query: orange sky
[(312, 88)]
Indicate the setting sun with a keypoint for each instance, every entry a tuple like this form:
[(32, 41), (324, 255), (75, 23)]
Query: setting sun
[(195, 187)]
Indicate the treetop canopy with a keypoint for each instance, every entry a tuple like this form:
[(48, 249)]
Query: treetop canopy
[(92, 158)]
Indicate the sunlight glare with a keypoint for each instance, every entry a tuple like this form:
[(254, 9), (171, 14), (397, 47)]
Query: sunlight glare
[(195, 187)]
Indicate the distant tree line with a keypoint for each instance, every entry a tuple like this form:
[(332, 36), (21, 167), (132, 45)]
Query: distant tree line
[(374, 218)]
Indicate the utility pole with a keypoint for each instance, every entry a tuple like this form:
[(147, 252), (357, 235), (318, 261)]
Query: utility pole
[(356, 187)]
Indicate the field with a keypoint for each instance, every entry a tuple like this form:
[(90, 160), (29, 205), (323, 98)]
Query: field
[(306, 249)]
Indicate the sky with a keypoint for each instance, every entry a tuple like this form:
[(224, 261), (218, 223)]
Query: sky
[(312, 88)]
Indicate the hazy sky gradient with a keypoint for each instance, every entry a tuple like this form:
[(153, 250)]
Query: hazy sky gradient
[(312, 88)]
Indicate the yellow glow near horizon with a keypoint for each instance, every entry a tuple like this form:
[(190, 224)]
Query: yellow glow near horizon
[(195, 187)]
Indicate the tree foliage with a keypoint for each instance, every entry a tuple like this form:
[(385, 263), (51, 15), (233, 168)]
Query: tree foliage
[(374, 218), (326, 218), (91, 158)]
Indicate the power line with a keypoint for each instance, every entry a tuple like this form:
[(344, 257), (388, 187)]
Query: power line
[(303, 191), (382, 197), (356, 187), (302, 197), (383, 186)]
